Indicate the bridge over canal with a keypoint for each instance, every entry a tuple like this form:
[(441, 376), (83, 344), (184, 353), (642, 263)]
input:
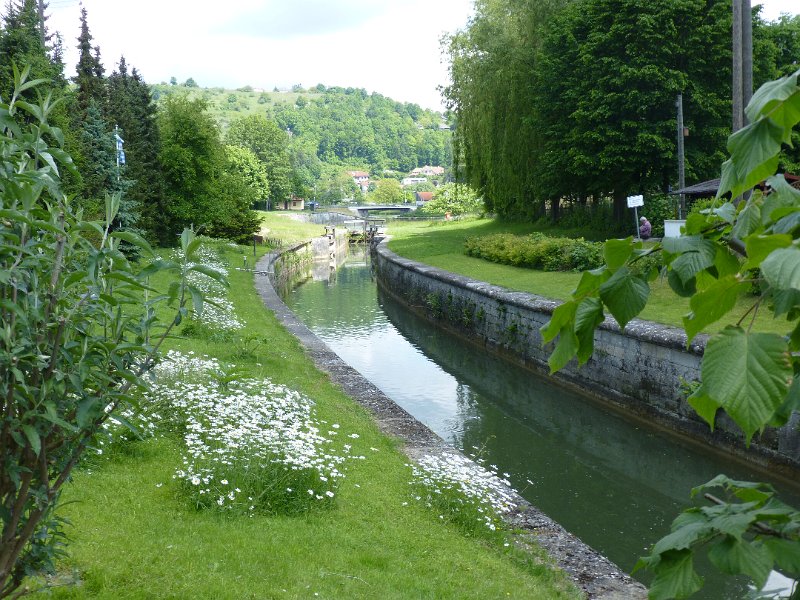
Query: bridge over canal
[(364, 210)]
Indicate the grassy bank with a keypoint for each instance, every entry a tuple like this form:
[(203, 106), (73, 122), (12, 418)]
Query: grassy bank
[(441, 244), (134, 534)]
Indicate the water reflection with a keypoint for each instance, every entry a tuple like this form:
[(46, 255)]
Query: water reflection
[(614, 483)]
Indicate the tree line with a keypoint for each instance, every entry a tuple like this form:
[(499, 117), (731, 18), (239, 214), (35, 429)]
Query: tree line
[(572, 102), (170, 160)]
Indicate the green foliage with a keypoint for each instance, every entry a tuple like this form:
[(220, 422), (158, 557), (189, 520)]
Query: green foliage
[(751, 375), (556, 102), (351, 127), (750, 531), (253, 171), (268, 142), (191, 155), (455, 198), (79, 331), (387, 191), (537, 251)]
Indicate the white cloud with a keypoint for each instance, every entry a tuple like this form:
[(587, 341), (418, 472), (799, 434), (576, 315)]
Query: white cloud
[(391, 47), (387, 46)]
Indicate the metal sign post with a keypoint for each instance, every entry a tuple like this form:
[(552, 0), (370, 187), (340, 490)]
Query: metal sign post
[(635, 202)]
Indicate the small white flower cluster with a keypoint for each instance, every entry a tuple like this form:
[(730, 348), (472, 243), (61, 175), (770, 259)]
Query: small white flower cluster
[(176, 365), (217, 310), (149, 416), (253, 444), (479, 486)]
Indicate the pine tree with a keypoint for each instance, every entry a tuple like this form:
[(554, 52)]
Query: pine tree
[(132, 109), (24, 42), (99, 171), (89, 70)]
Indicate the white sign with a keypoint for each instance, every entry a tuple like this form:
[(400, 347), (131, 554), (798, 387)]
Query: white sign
[(634, 201)]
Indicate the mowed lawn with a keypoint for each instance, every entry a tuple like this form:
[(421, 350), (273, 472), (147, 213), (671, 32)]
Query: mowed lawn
[(441, 244), (133, 534)]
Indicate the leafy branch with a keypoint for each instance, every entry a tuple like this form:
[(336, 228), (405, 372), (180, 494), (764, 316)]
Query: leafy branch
[(751, 375)]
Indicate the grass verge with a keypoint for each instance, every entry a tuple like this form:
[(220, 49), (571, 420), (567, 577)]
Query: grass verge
[(441, 244), (134, 535)]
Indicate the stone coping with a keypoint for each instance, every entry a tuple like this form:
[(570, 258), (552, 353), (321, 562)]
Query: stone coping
[(647, 331), (598, 577)]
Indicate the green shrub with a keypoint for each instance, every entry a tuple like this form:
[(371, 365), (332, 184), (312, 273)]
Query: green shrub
[(537, 251)]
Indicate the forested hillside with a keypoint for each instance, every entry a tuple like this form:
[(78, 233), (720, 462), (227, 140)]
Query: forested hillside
[(180, 155), (560, 103), (333, 127)]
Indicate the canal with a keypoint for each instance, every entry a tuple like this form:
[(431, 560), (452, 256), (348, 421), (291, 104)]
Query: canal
[(615, 483)]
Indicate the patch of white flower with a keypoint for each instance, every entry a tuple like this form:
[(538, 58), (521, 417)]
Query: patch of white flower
[(218, 311), (250, 443), (449, 474)]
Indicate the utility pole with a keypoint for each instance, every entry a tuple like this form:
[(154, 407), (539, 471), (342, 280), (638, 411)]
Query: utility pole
[(737, 84), (742, 67), (681, 158), (742, 60)]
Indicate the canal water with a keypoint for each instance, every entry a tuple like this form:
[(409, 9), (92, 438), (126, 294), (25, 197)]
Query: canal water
[(615, 483)]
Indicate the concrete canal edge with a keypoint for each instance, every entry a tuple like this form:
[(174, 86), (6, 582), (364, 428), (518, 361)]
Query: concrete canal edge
[(639, 371), (597, 576)]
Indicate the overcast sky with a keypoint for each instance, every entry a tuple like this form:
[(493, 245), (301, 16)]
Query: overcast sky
[(387, 46)]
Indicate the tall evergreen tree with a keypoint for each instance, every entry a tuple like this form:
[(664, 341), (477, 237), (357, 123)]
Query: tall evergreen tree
[(24, 41), (89, 70), (132, 110), (99, 170)]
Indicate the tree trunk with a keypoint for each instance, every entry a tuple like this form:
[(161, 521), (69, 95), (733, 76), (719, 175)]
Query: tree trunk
[(555, 209), (620, 205)]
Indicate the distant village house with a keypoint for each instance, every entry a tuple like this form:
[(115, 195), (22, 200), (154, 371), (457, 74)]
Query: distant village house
[(294, 204), (361, 178), (427, 171)]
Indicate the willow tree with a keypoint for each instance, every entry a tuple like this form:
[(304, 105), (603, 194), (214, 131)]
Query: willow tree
[(491, 66)]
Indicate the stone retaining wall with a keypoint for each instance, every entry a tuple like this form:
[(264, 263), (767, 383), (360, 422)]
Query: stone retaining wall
[(639, 371)]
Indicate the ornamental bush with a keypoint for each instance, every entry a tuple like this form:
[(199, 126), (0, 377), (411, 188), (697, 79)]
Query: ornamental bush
[(537, 251), (78, 331)]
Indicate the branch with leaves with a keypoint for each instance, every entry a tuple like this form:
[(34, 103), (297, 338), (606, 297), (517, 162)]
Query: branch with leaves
[(751, 375), (79, 331)]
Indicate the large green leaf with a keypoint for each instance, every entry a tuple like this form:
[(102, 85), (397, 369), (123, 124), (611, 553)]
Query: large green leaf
[(754, 152), (590, 282), (625, 295), (33, 438), (786, 554), (734, 556), (683, 537), (617, 252), (704, 405), (766, 98), (563, 315), (748, 375), (675, 577), (781, 269), (689, 264), (135, 239), (588, 316), (711, 304), (759, 247), (748, 221), (565, 350)]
